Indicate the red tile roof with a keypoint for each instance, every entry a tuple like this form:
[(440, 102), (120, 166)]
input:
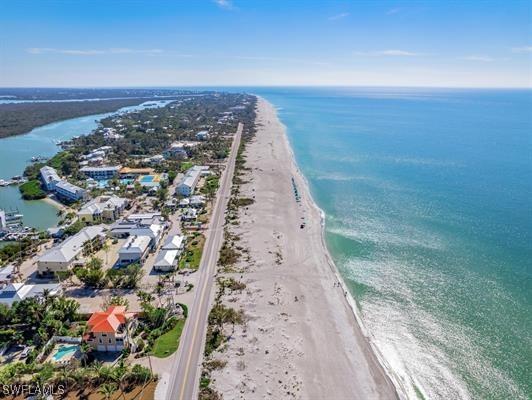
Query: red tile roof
[(107, 321)]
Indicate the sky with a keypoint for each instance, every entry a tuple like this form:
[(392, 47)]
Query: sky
[(118, 43)]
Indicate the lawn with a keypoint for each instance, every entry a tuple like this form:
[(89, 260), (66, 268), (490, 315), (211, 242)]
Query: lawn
[(167, 344), (192, 254), (31, 190), (185, 165)]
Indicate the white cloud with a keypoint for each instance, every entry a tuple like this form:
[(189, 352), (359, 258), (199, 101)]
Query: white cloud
[(225, 4), (387, 53), (478, 58), (524, 49), (338, 16), (91, 52), (392, 11)]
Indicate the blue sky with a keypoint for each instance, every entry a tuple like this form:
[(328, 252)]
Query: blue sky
[(246, 42)]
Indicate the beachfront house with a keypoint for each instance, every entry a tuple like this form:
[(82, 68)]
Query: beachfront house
[(63, 256), (69, 192), (101, 173), (110, 330), (49, 178), (135, 249), (190, 180), (15, 292), (103, 208)]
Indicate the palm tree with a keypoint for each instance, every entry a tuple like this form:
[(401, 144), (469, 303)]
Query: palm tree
[(106, 249), (84, 350), (107, 390)]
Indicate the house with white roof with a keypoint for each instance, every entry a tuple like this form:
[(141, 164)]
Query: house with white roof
[(63, 256), (190, 180), (135, 249), (174, 242), (202, 135), (101, 173), (70, 192), (166, 260), (49, 177), (15, 292)]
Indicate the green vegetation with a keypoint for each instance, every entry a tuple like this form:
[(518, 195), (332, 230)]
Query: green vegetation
[(21, 249), (168, 343), (125, 278), (92, 275), (185, 165), (219, 316), (78, 381), (16, 119), (192, 253), (211, 186), (31, 190), (34, 321)]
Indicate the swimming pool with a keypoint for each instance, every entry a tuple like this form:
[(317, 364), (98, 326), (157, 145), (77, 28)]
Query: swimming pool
[(147, 179), (64, 350)]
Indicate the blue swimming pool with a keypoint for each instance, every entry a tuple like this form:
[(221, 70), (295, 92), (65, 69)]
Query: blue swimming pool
[(65, 350), (147, 179)]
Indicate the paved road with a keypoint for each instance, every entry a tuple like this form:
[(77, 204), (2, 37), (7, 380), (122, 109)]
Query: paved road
[(184, 380)]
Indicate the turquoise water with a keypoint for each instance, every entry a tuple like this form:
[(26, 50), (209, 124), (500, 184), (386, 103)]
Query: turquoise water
[(147, 179), (16, 151), (428, 197), (65, 350)]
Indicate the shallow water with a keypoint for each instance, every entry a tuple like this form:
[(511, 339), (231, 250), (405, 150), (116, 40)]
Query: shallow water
[(429, 219), (16, 153)]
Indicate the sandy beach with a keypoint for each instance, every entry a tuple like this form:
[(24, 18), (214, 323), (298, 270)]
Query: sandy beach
[(301, 339)]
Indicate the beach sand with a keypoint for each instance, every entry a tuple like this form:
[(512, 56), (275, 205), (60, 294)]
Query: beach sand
[(301, 339)]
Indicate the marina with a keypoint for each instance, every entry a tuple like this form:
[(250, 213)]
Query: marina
[(16, 152)]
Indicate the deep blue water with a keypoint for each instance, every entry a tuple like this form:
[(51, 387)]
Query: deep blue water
[(428, 197)]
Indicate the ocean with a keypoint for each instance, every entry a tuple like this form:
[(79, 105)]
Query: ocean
[(428, 202)]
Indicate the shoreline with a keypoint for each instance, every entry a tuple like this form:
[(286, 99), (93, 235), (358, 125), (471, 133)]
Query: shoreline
[(350, 300), (295, 300)]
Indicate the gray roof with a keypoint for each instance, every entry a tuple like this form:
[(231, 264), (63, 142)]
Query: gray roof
[(70, 248), (69, 187), (49, 174), (166, 258)]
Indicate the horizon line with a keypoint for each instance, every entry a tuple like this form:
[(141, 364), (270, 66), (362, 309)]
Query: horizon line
[(271, 86)]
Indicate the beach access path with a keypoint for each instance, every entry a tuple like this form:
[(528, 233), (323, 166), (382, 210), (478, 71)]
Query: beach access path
[(184, 375), (301, 339)]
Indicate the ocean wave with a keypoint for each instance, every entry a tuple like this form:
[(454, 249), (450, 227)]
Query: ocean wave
[(429, 352), (381, 235)]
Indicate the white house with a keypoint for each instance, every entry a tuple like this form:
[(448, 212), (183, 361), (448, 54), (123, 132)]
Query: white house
[(166, 260), (135, 249), (49, 178), (101, 173), (174, 242), (62, 256), (68, 191), (190, 180), (202, 135), (19, 291)]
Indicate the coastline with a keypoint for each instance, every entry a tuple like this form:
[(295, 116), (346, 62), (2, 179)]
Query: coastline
[(350, 301), (309, 311)]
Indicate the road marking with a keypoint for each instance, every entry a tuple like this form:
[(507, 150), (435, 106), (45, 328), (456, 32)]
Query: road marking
[(215, 231)]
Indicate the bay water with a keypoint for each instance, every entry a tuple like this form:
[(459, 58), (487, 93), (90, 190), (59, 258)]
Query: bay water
[(17, 151)]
